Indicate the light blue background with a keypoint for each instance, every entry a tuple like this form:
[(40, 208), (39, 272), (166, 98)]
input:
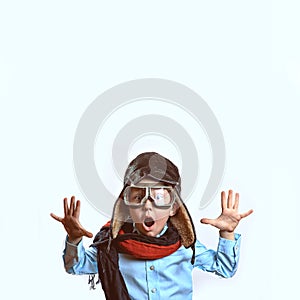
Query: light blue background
[(242, 57)]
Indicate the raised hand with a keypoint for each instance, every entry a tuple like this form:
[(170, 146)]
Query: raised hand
[(71, 221), (230, 216)]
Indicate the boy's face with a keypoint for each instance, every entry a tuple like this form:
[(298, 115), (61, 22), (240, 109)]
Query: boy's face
[(149, 218)]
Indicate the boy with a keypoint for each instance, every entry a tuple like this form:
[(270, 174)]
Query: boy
[(149, 248)]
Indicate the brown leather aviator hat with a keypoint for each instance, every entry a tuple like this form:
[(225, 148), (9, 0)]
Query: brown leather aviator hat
[(152, 165)]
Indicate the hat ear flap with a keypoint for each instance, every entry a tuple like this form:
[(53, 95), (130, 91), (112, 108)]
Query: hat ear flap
[(120, 216), (183, 223)]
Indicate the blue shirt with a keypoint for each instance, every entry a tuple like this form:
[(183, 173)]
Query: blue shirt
[(169, 277)]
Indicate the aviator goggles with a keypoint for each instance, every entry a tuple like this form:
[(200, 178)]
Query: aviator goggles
[(162, 196)]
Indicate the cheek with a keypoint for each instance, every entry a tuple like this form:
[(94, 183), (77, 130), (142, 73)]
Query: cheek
[(162, 213), (136, 214)]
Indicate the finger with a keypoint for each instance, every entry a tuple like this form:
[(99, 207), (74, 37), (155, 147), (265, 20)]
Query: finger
[(72, 206), (55, 217), (77, 209), (236, 201), (223, 200), (229, 199), (246, 214), (208, 221), (88, 234), (66, 209)]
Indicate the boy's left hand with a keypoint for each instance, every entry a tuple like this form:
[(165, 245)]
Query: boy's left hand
[(230, 217)]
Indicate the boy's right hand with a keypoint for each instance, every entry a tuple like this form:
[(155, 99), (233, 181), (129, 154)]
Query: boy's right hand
[(71, 221)]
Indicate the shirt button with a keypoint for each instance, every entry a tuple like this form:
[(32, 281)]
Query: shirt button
[(153, 290), (152, 268)]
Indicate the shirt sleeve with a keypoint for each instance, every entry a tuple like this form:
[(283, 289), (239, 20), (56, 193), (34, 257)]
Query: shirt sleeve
[(78, 260), (224, 261)]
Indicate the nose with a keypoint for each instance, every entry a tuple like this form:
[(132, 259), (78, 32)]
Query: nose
[(148, 204)]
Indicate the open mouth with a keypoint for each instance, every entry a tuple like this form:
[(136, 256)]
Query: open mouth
[(149, 222)]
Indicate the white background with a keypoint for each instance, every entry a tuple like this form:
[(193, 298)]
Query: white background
[(242, 57)]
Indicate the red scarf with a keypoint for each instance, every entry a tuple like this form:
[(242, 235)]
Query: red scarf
[(143, 250)]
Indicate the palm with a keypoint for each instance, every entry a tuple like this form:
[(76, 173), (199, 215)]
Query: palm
[(229, 217), (71, 220)]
